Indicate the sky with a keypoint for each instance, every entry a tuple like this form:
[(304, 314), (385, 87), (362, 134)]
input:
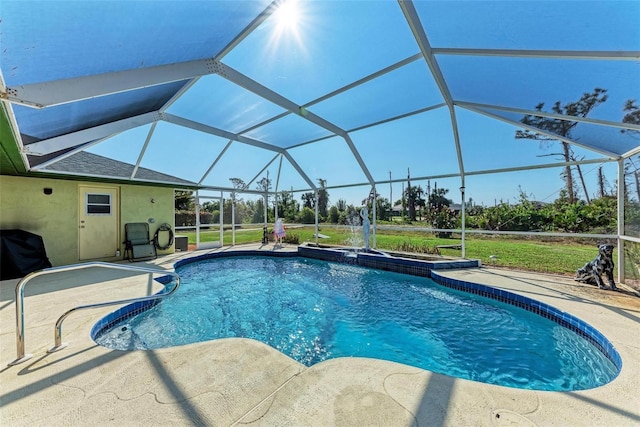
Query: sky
[(325, 45)]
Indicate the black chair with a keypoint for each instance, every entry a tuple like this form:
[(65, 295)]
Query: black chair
[(138, 244)]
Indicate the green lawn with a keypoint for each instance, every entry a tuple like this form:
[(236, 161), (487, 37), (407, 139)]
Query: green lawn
[(562, 257)]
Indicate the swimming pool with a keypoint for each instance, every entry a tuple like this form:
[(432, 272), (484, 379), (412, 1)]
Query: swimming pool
[(314, 310)]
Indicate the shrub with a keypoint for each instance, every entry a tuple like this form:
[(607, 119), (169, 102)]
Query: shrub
[(334, 215), (444, 218), (188, 218), (349, 216), (291, 238), (307, 216), (422, 248), (560, 216)]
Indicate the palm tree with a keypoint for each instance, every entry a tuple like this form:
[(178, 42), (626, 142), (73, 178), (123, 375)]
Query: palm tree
[(414, 198)]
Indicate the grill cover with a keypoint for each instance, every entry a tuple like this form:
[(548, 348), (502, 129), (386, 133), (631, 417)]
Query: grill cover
[(21, 253)]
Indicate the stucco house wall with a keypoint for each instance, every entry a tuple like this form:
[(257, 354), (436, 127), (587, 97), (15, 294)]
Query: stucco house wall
[(24, 205)]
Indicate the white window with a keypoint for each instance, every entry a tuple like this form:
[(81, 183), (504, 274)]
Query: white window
[(98, 204)]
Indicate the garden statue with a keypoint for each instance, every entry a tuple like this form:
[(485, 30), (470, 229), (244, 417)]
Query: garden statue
[(592, 271), (366, 225)]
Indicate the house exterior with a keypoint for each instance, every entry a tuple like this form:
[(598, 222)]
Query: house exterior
[(81, 219), (397, 210)]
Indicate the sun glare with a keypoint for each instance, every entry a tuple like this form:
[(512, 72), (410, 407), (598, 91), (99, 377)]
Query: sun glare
[(288, 26), (288, 15)]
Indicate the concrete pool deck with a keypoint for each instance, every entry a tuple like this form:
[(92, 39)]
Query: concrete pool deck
[(244, 382)]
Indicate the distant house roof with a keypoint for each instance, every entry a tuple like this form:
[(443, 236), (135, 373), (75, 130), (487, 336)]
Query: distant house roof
[(89, 164)]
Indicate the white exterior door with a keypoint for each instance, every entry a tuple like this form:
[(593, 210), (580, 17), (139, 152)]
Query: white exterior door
[(98, 222)]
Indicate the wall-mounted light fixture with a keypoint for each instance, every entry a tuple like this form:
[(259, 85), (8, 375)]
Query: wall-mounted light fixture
[(48, 191), (153, 200)]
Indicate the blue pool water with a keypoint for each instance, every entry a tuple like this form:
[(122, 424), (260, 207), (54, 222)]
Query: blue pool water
[(313, 310)]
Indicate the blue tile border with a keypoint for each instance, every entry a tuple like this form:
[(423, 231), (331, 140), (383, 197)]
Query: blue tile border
[(562, 318), (327, 254), (136, 308), (129, 310), (385, 262), (121, 314), (382, 261), (232, 253)]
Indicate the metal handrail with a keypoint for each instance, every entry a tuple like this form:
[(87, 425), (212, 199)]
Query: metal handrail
[(58, 329)]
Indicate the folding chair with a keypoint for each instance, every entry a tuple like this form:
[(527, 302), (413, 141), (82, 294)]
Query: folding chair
[(138, 244)]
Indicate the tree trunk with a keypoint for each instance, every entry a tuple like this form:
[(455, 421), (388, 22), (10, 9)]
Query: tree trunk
[(568, 176), (410, 200), (601, 182), (584, 186)]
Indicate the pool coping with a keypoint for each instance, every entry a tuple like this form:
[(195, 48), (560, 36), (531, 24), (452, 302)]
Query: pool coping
[(547, 311)]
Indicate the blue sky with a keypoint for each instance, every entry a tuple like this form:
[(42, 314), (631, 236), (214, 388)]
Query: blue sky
[(333, 43)]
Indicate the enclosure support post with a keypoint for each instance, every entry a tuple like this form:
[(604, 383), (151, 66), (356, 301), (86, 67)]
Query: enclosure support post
[(620, 242), (197, 209), (221, 219), (275, 208), (317, 230), (275, 191), (375, 205), (265, 208), (233, 219), (463, 219)]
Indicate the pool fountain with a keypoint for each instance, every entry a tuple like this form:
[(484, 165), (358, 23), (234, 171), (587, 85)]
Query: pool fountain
[(355, 240)]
